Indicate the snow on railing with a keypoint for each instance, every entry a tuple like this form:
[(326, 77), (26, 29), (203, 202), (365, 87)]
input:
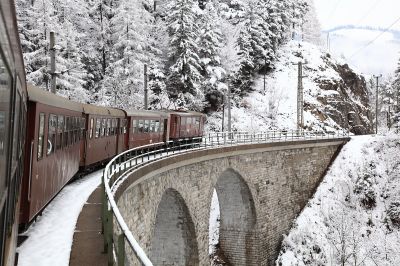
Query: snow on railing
[(123, 164)]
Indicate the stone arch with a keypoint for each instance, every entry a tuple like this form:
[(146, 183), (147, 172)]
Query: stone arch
[(174, 238), (237, 238)]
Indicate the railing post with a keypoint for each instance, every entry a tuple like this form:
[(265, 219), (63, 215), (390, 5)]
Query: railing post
[(110, 237), (121, 250)]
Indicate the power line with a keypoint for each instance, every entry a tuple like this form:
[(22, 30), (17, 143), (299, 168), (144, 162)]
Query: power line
[(334, 9), (376, 38), (368, 12)]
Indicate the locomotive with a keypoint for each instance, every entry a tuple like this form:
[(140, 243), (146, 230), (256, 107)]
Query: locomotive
[(46, 140)]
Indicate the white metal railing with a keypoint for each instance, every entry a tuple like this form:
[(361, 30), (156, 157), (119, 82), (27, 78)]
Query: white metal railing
[(123, 164)]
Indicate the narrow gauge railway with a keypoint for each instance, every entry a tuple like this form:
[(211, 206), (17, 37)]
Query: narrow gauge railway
[(46, 140)]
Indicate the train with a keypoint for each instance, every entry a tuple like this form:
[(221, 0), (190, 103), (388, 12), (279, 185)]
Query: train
[(65, 137), (46, 140)]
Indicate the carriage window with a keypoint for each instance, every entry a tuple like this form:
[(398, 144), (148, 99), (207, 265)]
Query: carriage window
[(134, 126), (157, 126), (162, 126), (83, 127), (76, 129), (141, 126), (21, 131), (41, 136), (152, 126), (60, 129), (183, 121), (146, 126), (91, 128), (17, 121), (113, 126), (51, 136), (98, 127), (108, 129), (2, 130), (103, 127), (65, 140), (71, 131), (197, 121)]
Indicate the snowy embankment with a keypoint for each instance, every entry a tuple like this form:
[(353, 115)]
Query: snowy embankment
[(50, 237), (354, 217)]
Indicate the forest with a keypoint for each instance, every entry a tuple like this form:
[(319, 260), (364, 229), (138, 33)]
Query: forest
[(194, 49)]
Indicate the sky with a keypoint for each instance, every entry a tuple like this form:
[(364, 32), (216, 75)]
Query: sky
[(379, 57)]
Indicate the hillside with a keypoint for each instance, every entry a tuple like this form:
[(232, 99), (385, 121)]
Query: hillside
[(331, 91), (353, 219)]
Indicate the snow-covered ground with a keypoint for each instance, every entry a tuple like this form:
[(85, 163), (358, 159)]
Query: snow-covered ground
[(50, 237), (354, 217)]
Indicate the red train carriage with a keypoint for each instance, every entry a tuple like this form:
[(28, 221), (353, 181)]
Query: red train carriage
[(185, 125), (52, 149), (106, 135), (146, 127), (12, 126)]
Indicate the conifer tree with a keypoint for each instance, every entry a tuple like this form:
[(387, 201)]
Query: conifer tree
[(311, 27), (184, 63), (210, 43)]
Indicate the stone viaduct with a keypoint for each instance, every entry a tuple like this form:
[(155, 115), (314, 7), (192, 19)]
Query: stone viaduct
[(261, 189)]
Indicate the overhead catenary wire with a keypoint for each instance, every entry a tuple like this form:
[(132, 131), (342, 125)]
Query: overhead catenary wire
[(334, 9), (376, 38), (368, 12)]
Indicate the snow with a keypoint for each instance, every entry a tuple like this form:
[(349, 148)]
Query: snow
[(50, 237), (339, 224), (213, 233)]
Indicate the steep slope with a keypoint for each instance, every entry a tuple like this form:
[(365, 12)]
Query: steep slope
[(331, 91), (354, 217)]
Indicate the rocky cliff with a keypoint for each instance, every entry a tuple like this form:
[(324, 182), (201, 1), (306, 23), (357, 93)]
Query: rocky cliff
[(334, 95)]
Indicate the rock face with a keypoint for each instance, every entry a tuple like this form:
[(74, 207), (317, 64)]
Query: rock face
[(344, 100), (335, 96)]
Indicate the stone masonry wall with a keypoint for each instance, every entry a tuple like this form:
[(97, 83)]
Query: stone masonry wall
[(280, 177)]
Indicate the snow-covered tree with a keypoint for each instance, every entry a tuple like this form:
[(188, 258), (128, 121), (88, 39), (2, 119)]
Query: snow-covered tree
[(37, 20), (210, 42), (396, 92), (184, 64), (311, 28)]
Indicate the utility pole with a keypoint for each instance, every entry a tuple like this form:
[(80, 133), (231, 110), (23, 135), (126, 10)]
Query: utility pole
[(265, 71), (52, 63), (300, 97), (145, 87), (398, 99), (223, 113), (328, 42), (229, 109), (376, 102)]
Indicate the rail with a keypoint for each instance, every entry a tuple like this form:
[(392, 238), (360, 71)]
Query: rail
[(122, 165)]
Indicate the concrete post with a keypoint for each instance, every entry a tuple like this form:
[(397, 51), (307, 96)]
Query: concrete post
[(52, 63)]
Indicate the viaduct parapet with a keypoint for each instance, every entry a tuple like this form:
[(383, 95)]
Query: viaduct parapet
[(261, 189)]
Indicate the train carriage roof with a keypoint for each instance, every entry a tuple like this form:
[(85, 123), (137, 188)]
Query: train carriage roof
[(184, 113), (38, 95), (101, 110), (146, 113)]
